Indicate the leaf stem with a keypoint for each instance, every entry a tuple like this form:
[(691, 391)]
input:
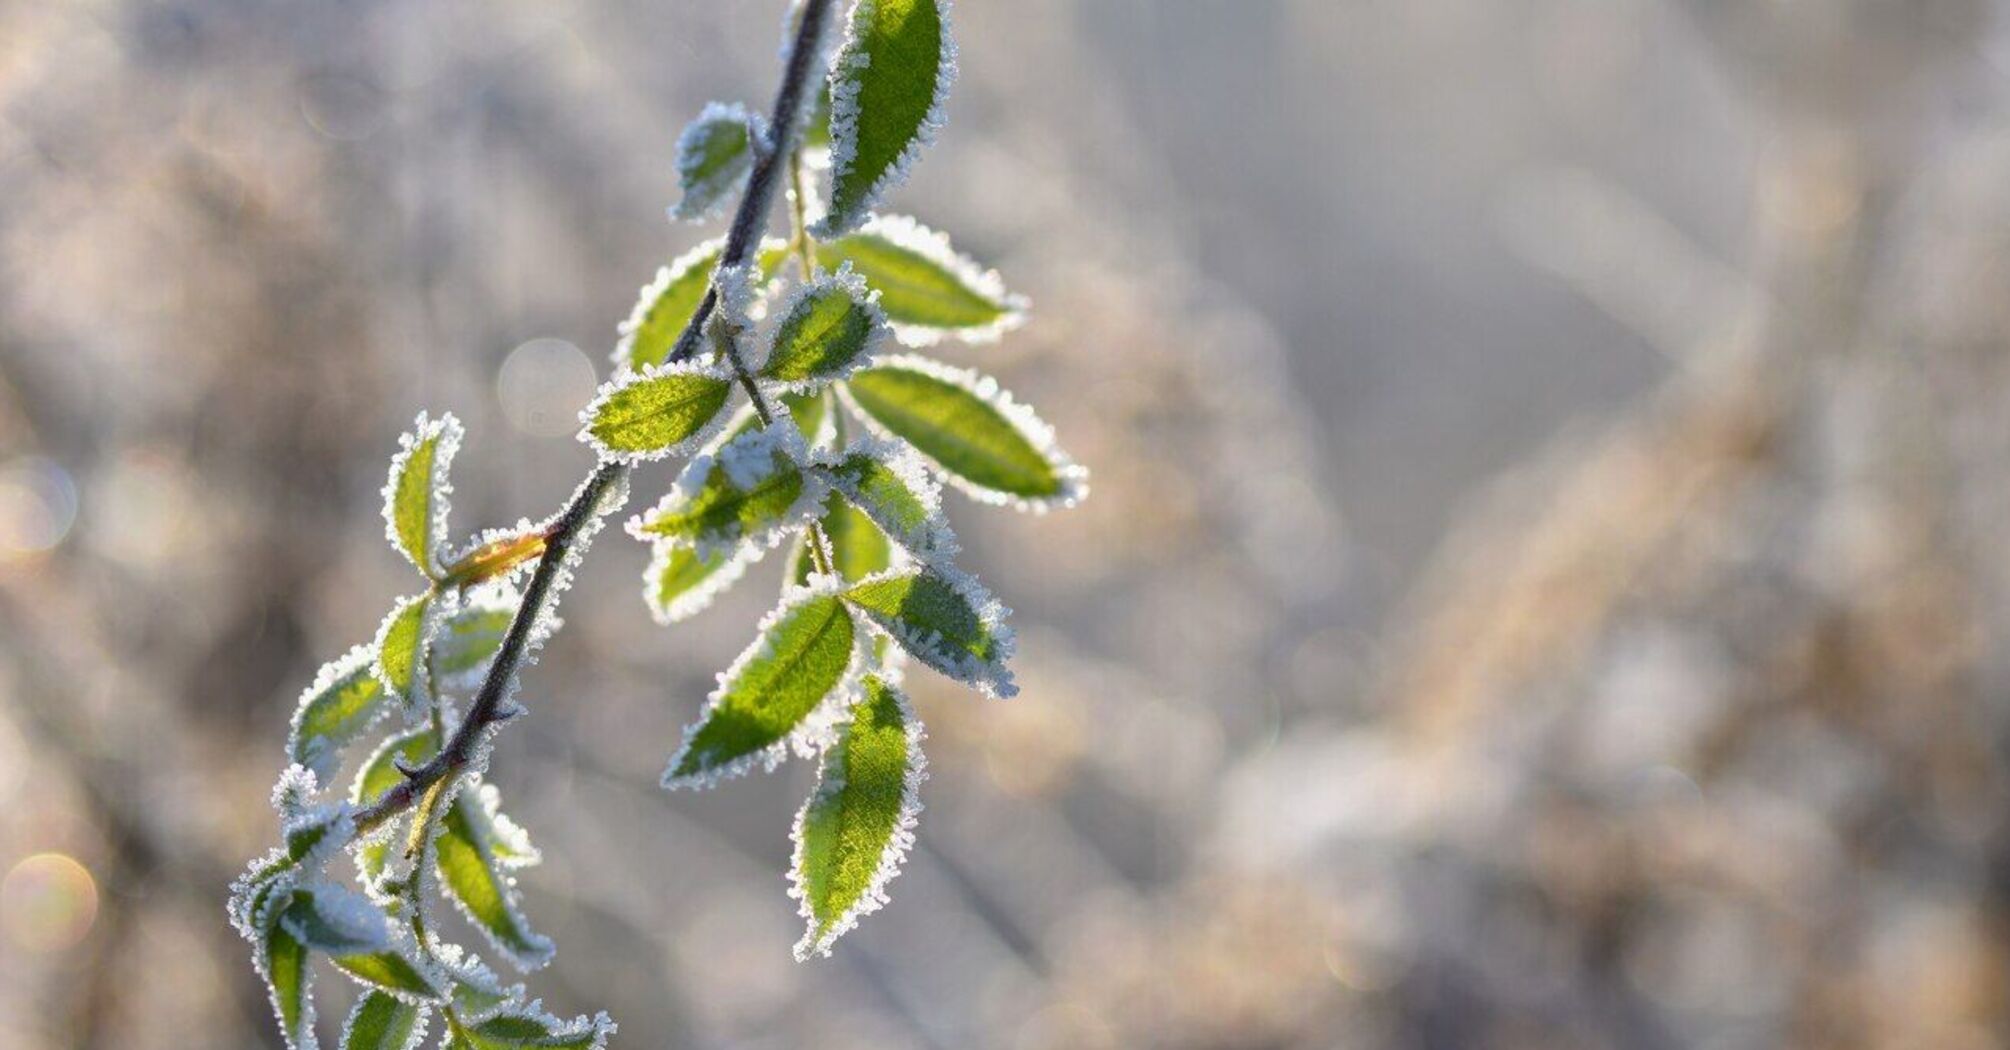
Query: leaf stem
[(489, 708)]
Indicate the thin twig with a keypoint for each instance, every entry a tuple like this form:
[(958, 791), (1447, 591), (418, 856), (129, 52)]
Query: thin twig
[(748, 222)]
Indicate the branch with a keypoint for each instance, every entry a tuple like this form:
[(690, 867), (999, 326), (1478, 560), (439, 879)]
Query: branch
[(748, 223)]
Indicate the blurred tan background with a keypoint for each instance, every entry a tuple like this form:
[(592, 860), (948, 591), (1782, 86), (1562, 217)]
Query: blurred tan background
[(1547, 583)]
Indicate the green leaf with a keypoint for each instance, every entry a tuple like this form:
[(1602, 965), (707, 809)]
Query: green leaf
[(888, 83), (329, 918), (661, 411), (890, 485), (751, 491), (526, 1027), (667, 303), (804, 654), (826, 332), (946, 620), (282, 961), (390, 971), (858, 548), (472, 876), (680, 583), (402, 646), (714, 155), (925, 286), (415, 495), (811, 411), (384, 1022), (468, 640), (989, 445), (857, 825), (345, 699)]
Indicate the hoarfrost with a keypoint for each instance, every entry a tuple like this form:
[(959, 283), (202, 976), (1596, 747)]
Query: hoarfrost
[(850, 60)]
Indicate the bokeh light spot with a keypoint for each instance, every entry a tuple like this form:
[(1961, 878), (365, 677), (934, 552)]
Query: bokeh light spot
[(47, 903), (542, 386), (38, 504)]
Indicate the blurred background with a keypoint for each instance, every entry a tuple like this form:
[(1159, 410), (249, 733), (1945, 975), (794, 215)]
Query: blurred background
[(1546, 585)]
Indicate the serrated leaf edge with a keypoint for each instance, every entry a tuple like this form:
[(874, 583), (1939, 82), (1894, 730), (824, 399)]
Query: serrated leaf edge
[(907, 233), (812, 734), (1073, 477), (440, 488), (830, 780), (845, 113), (705, 196)]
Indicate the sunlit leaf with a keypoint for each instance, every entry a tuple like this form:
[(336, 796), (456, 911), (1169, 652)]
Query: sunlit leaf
[(888, 83), (988, 444), (472, 875), (415, 495), (858, 824), (827, 330), (944, 619), (802, 655), (714, 155), (528, 1027), (857, 547), (332, 919), (667, 303), (927, 288), (891, 485), (752, 490), (681, 583), (660, 411), (403, 643), (384, 1022), (345, 700), (282, 962)]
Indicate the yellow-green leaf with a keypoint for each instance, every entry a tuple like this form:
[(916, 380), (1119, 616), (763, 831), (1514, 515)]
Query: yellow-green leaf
[(855, 828), (344, 701), (658, 412), (927, 288), (415, 495), (985, 442), (802, 655), (826, 332), (888, 83), (944, 619)]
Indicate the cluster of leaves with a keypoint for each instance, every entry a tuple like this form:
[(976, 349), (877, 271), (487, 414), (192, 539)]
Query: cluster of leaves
[(806, 429)]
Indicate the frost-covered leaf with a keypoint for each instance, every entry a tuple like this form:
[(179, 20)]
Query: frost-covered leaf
[(403, 643), (472, 875), (926, 287), (857, 826), (857, 547), (282, 961), (415, 495), (944, 619), (345, 700), (478, 993), (752, 490), (714, 155), (332, 919), (988, 444), (395, 971), (803, 656), (888, 84), (528, 1027), (812, 413), (662, 410), (891, 485), (828, 329), (467, 641), (384, 1022), (680, 583), (667, 303)]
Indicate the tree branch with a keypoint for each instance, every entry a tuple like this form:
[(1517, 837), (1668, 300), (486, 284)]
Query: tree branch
[(748, 224)]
